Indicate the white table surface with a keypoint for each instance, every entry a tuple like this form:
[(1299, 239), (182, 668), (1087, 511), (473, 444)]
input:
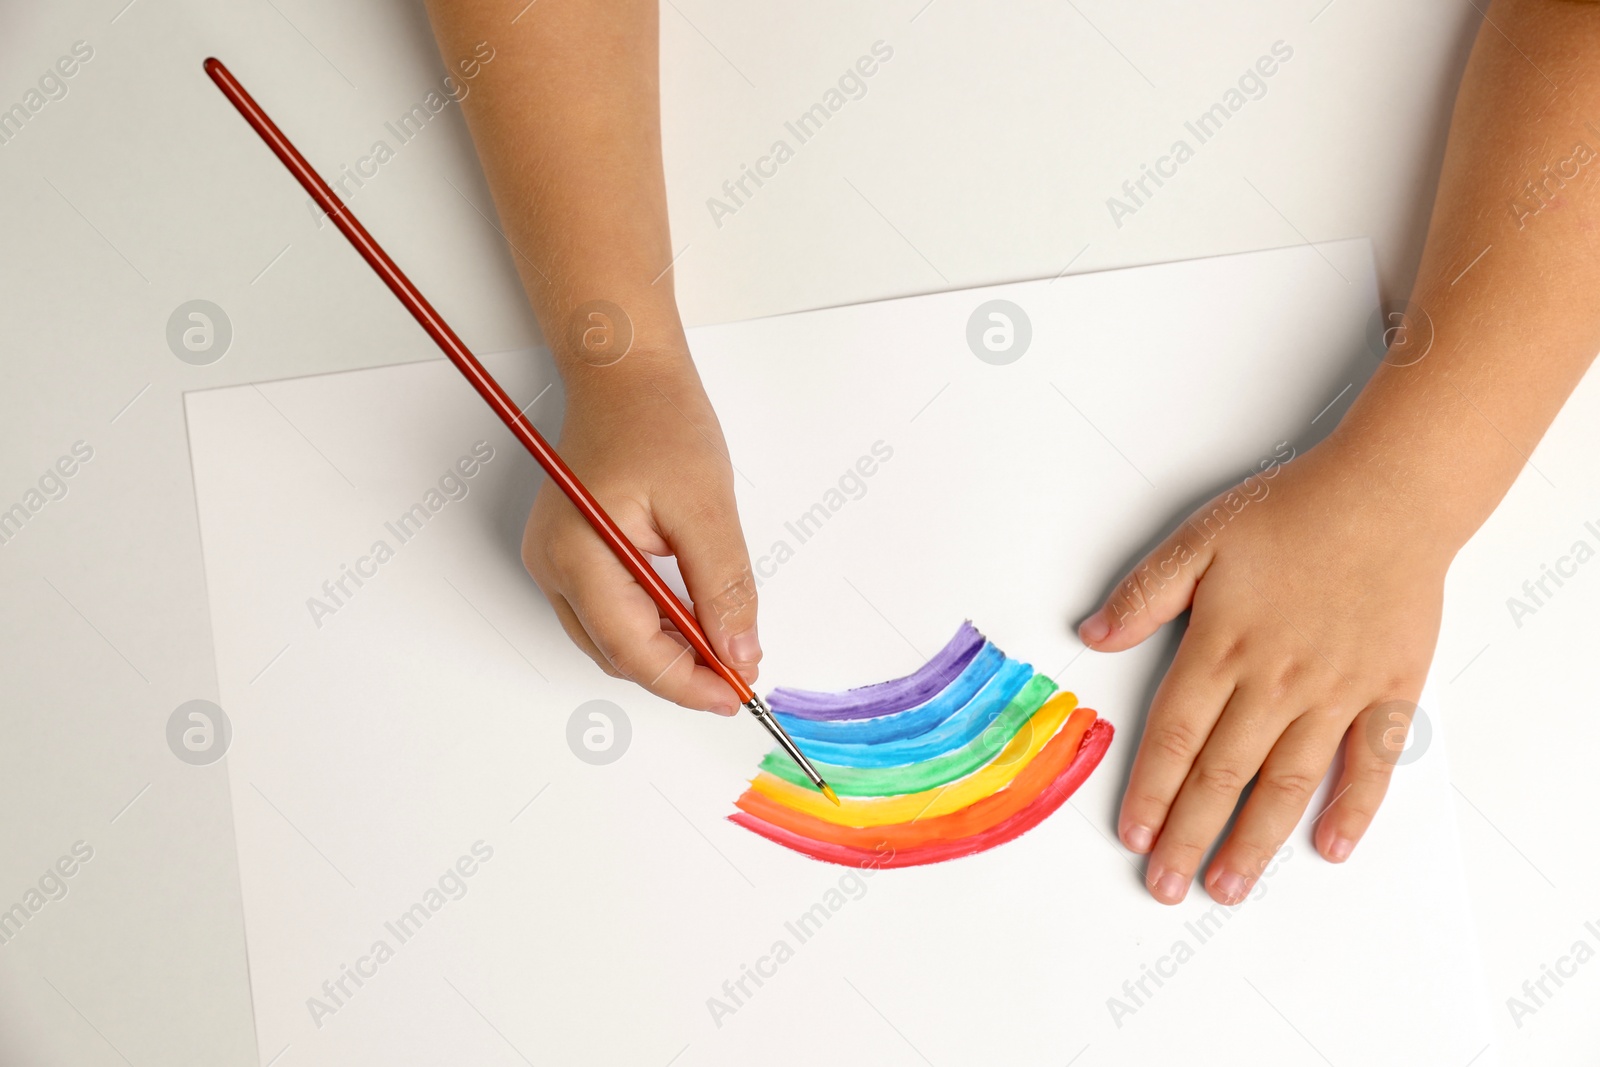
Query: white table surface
[(984, 151)]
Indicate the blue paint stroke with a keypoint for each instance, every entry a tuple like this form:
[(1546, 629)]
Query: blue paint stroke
[(959, 729), (903, 724)]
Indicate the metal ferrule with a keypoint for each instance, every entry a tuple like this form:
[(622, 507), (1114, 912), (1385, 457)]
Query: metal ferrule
[(758, 707)]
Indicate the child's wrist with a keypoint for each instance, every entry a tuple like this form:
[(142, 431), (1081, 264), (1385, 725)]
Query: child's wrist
[(1413, 502), (626, 371), (604, 346), (653, 376)]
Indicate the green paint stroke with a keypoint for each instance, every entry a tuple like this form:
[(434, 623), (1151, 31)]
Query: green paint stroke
[(915, 777)]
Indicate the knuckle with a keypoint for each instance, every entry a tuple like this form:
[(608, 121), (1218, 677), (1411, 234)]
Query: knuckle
[(624, 660), (1370, 774), (1253, 856), (668, 682), (1183, 856), (1227, 654), (735, 600), (1290, 786), (709, 509), (1357, 810), (1335, 688), (1177, 740), (1219, 779), (1285, 681), (621, 666), (1328, 713), (534, 556), (561, 555), (606, 666), (1134, 593), (1145, 806), (1119, 605), (549, 590)]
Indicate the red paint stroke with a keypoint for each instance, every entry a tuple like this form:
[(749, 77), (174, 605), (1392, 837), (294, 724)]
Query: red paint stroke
[(874, 847)]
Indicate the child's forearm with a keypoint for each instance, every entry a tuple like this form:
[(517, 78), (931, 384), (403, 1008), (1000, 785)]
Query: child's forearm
[(566, 122), (1509, 284)]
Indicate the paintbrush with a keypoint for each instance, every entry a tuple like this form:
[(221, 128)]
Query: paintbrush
[(503, 406)]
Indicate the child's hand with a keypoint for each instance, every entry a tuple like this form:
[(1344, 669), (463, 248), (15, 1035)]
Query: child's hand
[(1316, 597), (646, 442)]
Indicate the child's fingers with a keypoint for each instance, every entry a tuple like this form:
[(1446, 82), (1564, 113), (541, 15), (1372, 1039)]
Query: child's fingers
[(703, 532), (625, 627), (1153, 594), (1232, 754), (1186, 707), (580, 637), (1369, 761), (1283, 789)]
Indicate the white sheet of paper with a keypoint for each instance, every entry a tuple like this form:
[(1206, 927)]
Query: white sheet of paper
[(377, 743)]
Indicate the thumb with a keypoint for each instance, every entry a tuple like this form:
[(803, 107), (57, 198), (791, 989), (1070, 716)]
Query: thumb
[(1154, 593), (709, 546)]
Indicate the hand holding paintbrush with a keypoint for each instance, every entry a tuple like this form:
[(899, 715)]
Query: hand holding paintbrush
[(561, 476), (564, 113)]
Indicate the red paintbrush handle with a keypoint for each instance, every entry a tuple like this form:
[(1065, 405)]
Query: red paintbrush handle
[(475, 373)]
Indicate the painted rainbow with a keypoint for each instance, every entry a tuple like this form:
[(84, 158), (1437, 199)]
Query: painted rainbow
[(969, 752)]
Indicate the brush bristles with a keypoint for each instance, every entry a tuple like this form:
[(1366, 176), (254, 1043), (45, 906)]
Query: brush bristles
[(828, 792)]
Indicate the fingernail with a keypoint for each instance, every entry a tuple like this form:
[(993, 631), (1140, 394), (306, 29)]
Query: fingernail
[(1094, 628), (1171, 887), (1229, 887), (1339, 849), (723, 709), (745, 647), (1139, 838)]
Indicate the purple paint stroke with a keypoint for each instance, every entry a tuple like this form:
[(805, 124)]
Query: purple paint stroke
[(885, 698), (903, 724)]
